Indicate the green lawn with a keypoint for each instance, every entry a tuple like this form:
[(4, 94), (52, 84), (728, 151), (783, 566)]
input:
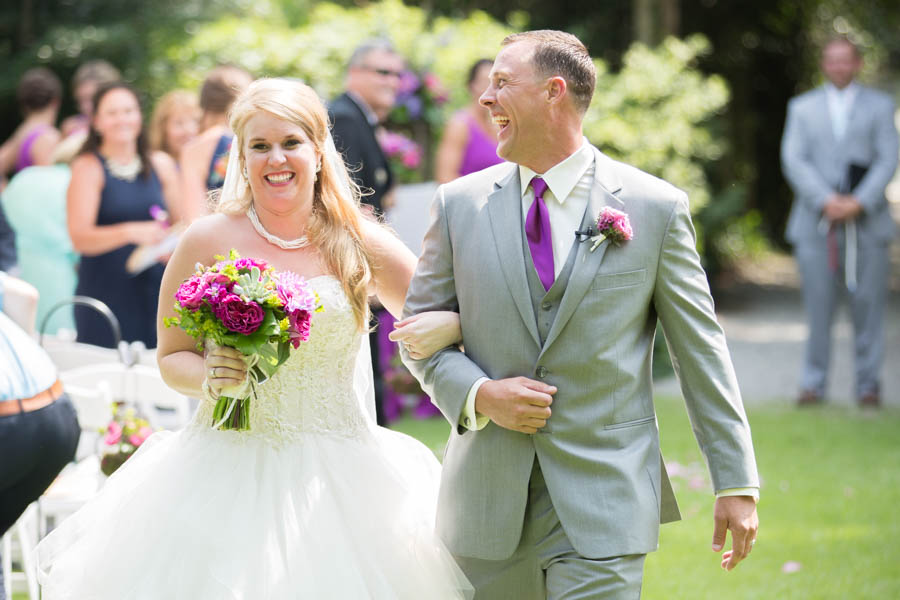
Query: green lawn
[(830, 496), (830, 493)]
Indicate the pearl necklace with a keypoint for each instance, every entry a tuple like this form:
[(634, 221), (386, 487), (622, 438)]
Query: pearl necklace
[(300, 242), (126, 172)]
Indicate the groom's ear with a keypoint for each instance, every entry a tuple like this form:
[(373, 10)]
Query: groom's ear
[(556, 90)]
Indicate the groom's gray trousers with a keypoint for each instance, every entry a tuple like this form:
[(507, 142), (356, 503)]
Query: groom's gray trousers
[(545, 565)]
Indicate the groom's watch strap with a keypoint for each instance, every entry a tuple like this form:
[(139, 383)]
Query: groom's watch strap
[(470, 419), (745, 491)]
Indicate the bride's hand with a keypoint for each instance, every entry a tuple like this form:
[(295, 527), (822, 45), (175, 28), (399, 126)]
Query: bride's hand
[(426, 333), (225, 367)]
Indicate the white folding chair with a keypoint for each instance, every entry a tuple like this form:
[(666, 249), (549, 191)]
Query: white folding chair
[(25, 532), (140, 386)]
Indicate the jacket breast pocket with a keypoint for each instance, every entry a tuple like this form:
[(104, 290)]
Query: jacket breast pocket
[(610, 281)]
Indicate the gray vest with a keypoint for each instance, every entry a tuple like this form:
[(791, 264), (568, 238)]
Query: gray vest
[(546, 302)]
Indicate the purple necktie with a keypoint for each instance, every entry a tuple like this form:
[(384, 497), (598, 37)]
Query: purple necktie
[(537, 230)]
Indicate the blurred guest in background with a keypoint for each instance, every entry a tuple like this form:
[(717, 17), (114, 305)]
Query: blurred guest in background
[(175, 122), (38, 427), (88, 77), (35, 205), (469, 143), (39, 95), (204, 158), (838, 152), (373, 79), (116, 183), (8, 258)]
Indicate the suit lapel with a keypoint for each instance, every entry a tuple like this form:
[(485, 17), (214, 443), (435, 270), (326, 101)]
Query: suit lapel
[(505, 210), (606, 184), (826, 117)]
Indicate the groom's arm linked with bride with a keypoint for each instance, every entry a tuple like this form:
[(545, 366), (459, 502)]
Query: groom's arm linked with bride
[(551, 400)]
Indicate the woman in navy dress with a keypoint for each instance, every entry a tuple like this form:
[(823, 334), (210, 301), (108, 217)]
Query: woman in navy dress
[(115, 184)]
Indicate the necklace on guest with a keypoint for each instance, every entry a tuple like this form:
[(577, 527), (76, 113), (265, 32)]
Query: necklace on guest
[(300, 242), (126, 172)]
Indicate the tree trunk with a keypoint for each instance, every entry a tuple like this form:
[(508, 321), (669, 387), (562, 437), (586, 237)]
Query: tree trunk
[(644, 21)]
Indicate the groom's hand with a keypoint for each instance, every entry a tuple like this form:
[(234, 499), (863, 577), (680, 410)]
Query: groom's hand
[(517, 403), (738, 514)]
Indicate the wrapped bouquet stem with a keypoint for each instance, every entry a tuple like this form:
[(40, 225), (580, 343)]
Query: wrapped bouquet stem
[(245, 304)]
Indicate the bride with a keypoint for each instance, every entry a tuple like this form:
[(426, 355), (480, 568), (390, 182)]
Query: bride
[(315, 501)]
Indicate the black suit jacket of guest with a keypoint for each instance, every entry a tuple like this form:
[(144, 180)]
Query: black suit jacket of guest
[(355, 139)]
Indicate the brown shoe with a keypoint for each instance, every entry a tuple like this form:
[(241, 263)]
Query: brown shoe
[(870, 400), (808, 398)]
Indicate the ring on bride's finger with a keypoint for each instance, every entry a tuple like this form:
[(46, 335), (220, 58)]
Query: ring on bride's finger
[(752, 542)]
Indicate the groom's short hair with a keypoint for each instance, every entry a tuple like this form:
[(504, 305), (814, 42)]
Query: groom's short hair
[(563, 54)]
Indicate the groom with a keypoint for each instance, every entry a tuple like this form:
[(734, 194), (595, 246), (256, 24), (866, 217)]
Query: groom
[(553, 485)]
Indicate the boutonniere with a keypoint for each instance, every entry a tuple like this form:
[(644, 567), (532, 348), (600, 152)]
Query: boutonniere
[(614, 225)]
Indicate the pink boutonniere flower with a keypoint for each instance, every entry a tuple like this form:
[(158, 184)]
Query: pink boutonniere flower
[(612, 224)]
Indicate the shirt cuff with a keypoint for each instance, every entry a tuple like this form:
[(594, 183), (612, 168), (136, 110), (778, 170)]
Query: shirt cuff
[(744, 491), (470, 419)]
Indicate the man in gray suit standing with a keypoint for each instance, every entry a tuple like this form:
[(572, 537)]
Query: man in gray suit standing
[(553, 484), (838, 152)]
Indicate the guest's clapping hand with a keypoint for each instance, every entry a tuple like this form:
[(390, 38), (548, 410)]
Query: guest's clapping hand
[(738, 514), (517, 403), (225, 367), (425, 333)]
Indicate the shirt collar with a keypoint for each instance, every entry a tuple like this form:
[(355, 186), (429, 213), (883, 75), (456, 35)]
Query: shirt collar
[(563, 176), (847, 92), (371, 117)]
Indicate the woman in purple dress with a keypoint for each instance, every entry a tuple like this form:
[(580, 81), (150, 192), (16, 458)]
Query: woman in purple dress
[(470, 138), (39, 94)]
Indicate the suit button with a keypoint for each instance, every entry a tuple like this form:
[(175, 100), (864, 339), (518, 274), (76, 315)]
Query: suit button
[(541, 372), (546, 305)]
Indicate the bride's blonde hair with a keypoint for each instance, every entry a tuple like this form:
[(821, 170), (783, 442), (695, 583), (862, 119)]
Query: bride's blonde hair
[(335, 225)]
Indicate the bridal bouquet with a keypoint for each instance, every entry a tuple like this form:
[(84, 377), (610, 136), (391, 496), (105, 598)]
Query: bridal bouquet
[(245, 304)]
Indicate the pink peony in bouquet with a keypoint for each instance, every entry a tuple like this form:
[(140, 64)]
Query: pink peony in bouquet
[(244, 303)]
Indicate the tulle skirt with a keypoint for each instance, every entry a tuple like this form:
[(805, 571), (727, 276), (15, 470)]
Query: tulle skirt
[(209, 515)]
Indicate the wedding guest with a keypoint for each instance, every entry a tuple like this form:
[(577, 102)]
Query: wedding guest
[(175, 122), (371, 85), (838, 152), (39, 94), (116, 182), (35, 204), (38, 428), (204, 158), (88, 77), (8, 254), (469, 143)]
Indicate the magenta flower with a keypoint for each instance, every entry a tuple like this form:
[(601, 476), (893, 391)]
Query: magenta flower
[(214, 294), (412, 158), (239, 316), (190, 293), (248, 263), (300, 321), (612, 224), (113, 434), (145, 432), (135, 440), (211, 277), (294, 294)]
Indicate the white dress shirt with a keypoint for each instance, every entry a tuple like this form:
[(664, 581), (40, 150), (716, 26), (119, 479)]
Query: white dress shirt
[(840, 101), (569, 186)]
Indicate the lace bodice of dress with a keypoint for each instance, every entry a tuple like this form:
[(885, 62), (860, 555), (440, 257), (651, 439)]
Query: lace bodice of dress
[(313, 390)]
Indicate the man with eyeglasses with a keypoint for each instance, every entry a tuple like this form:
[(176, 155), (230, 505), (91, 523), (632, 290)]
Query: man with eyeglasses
[(373, 78)]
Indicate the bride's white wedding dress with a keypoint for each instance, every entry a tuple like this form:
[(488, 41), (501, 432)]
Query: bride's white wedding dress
[(314, 502)]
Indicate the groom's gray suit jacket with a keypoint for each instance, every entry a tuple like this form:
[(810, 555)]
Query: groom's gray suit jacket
[(599, 452)]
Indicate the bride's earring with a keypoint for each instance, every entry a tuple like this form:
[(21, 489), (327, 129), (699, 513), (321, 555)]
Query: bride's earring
[(316, 174), (244, 173)]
